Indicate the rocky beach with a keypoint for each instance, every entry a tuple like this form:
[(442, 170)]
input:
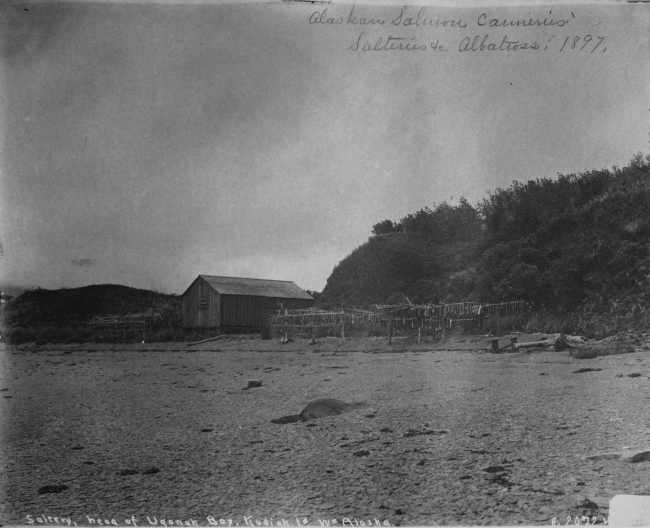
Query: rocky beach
[(164, 434)]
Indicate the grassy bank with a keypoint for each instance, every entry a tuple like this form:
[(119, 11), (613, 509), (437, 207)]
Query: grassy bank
[(590, 325)]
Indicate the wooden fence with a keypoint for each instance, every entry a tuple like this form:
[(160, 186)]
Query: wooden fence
[(433, 319), (321, 323), (133, 325)]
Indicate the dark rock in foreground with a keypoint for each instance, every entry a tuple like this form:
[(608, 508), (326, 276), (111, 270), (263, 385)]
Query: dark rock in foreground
[(319, 409)]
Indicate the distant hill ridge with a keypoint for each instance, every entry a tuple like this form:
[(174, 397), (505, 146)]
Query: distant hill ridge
[(75, 306)]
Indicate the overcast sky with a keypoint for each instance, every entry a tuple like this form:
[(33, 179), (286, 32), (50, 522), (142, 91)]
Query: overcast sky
[(143, 145)]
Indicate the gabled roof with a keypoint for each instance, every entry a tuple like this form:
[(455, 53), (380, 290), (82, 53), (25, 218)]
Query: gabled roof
[(256, 287)]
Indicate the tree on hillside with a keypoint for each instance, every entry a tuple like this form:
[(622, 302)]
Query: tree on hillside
[(445, 224), (385, 227), (576, 240), (314, 294)]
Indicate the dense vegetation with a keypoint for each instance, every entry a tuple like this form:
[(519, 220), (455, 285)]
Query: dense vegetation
[(577, 242), (62, 315), (575, 246)]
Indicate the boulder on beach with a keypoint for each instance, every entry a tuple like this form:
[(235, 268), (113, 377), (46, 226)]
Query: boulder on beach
[(319, 409)]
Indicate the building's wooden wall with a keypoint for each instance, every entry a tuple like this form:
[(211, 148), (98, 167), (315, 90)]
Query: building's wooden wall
[(201, 306), (245, 311)]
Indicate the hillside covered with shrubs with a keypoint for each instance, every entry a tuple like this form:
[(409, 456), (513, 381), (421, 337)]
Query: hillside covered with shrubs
[(576, 242), (62, 315), (576, 247)]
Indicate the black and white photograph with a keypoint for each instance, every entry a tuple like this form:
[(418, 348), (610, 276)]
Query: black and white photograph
[(302, 263)]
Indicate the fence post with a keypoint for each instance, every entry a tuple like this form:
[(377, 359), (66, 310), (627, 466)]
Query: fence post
[(390, 331), (495, 346), (343, 329), (419, 334)]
